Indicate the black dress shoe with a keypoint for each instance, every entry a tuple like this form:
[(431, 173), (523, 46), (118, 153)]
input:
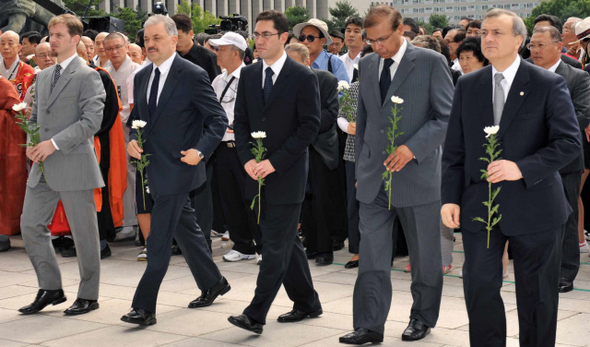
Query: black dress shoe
[(44, 298), (105, 252), (311, 255), (207, 297), (337, 245), (296, 316), (352, 264), (246, 323), (361, 336), (176, 250), (4, 243), (324, 259), (81, 306), (139, 316), (565, 286), (416, 330), (69, 252)]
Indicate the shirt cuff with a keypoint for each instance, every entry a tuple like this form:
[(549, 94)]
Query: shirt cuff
[(54, 144), (343, 124)]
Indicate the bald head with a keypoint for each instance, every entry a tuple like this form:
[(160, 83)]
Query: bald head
[(89, 46), (43, 57), (9, 46), (135, 53), (99, 45), (81, 50)]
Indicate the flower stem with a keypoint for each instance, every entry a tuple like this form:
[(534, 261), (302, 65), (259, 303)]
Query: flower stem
[(259, 189), (142, 188), (489, 211), (390, 175)]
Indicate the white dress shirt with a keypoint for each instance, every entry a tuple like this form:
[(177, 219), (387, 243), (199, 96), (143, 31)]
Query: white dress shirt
[(349, 64), (509, 75), (457, 66), (397, 58), (276, 68), (229, 99), (554, 67), (164, 70)]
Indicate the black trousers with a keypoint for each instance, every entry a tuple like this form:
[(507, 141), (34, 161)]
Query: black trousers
[(354, 235), (173, 217), (324, 210), (570, 257), (202, 203), (241, 220), (284, 263), (536, 271)]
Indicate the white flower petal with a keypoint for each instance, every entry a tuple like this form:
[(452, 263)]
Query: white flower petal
[(258, 134), (342, 86), (138, 124), (397, 100), (491, 130), (19, 107), (147, 189)]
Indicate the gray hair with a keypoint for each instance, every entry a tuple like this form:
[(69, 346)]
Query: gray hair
[(169, 24), (553, 32), (298, 48), (428, 42), (518, 27)]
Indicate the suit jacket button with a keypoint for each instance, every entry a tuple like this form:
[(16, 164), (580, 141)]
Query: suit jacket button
[(48, 112), (46, 129), (382, 131), (383, 152), (264, 119)]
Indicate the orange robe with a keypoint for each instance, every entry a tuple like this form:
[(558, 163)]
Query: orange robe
[(13, 164), (23, 79)]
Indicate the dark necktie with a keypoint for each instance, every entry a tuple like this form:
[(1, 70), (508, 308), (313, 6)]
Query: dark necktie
[(267, 83), (56, 75), (385, 80), (153, 102)]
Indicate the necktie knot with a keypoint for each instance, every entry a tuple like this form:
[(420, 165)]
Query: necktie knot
[(498, 77), (56, 75), (58, 68), (269, 72), (387, 63), (156, 72)]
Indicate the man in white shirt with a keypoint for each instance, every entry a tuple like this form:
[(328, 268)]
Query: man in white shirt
[(454, 38), (353, 38), (231, 174), (121, 67)]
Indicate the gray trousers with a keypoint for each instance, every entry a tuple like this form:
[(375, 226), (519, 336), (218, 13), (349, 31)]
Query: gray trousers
[(373, 290), (39, 208), (130, 212)]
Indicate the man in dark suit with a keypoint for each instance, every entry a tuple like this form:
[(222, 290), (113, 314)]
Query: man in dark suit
[(281, 98), (421, 78), (320, 201), (185, 123), (538, 135), (545, 49)]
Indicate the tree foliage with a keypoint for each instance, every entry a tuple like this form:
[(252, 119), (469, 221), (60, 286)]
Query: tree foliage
[(563, 9), (438, 21), (340, 14), (79, 7), (296, 15), (134, 20), (201, 19)]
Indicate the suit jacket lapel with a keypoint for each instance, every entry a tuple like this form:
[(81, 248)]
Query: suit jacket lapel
[(279, 84), (484, 97), (373, 82), (403, 70), (258, 97), (518, 93), (144, 80), (169, 85), (63, 80)]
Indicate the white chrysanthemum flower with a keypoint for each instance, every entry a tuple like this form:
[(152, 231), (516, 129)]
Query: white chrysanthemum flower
[(342, 86), (258, 134), (138, 124), (397, 100), (491, 130), (147, 189), (19, 107)]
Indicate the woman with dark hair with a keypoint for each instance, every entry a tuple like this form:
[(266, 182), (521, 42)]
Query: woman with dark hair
[(470, 56), (473, 29)]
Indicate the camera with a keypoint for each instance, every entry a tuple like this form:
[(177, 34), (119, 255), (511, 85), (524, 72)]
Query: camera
[(160, 8), (234, 23)]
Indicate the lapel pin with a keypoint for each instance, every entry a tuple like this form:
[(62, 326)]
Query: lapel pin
[(521, 93)]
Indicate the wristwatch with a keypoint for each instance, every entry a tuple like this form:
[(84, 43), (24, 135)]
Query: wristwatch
[(201, 156)]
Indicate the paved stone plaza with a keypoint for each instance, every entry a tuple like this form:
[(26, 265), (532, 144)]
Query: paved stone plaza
[(182, 327)]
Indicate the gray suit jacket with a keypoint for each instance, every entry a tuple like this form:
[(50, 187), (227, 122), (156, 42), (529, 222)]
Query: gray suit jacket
[(71, 115), (424, 82)]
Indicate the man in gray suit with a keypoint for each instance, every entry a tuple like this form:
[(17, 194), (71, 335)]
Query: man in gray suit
[(420, 77), (68, 108)]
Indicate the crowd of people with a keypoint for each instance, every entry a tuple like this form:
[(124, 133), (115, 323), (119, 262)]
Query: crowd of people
[(269, 141)]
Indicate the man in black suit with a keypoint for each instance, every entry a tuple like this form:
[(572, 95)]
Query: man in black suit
[(185, 123), (320, 201), (552, 21), (545, 49), (281, 98), (538, 134)]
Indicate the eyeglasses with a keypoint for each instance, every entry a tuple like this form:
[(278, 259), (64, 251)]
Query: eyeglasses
[(539, 46), (115, 48), (310, 38), (265, 35), (378, 41)]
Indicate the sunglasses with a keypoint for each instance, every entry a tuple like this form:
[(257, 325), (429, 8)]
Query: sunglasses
[(310, 38)]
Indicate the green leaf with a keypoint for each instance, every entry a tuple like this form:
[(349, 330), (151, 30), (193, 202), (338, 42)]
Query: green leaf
[(484, 159), (479, 219)]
